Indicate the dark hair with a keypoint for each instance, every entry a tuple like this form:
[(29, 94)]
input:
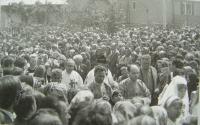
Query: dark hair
[(101, 59), (38, 97), (10, 89), (56, 73), (17, 71), (50, 102), (40, 71), (129, 68), (40, 118), (99, 69), (7, 72), (27, 79), (20, 62), (24, 106), (7, 61), (7, 64), (179, 56), (178, 63), (26, 57)]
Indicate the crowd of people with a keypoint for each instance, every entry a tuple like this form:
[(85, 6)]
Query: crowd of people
[(136, 76)]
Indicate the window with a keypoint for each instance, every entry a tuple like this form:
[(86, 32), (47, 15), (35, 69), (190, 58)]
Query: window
[(134, 5), (190, 9), (183, 8), (187, 8)]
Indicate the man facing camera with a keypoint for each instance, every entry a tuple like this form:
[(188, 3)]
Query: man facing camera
[(98, 87)]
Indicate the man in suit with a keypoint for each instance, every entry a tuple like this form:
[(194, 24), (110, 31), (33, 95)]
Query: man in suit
[(148, 74)]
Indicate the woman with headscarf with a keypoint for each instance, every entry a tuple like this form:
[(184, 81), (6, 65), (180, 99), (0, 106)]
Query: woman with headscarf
[(173, 105), (177, 87)]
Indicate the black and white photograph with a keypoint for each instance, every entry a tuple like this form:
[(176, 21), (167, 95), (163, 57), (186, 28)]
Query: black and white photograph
[(99, 62)]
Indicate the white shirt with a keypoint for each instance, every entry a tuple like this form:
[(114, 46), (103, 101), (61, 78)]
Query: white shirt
[(90, 77), (73, 76)]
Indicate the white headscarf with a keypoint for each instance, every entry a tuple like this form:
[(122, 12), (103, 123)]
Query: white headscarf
[(172, 90)]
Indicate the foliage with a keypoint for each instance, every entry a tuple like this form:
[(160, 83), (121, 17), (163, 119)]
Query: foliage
[(90, 14), (38, 13)]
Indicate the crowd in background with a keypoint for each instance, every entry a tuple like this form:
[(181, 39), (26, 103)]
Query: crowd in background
[(136, 76)]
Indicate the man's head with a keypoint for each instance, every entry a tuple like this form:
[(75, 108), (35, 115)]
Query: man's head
[(40, 71), (127, 52), (7, 64), (45, 117), (78, 59), (145, 62), (181, 90), (56, 75), (124, 70), (116, 96), (10, 89), (99, 73), (33, 60), (133, 72), (40, 60), (20, 62), (101, 60), (69, 65), (92, 115), (177, 67), (25, 107)]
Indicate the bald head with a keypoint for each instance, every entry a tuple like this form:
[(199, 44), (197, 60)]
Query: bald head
[(133, 67), (133, 72)]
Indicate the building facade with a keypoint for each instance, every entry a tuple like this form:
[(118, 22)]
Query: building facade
[(163, 12), (187, 12), (142, 12)]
